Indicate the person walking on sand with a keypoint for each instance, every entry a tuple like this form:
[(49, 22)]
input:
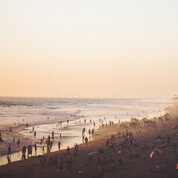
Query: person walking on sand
[(61, 165), (76, 150), (86, 140), (112, 165), (107, 142), (71, 163), (168, 139), (23, 152), (29, 150), (59, 145), (76, 147), (35, 149), (101, 170), (68, 165), (41, 165), (68, 149)]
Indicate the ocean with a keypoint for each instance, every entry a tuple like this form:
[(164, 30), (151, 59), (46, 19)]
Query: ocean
[(34, 109)]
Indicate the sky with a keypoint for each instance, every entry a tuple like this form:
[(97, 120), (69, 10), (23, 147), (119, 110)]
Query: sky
[(89, 48)]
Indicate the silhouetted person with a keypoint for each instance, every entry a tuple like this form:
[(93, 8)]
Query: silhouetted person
[(68, 149), (86, 140), (9, 150)]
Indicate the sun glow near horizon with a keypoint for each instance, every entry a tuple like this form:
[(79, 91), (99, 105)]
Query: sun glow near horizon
[(89, 49)]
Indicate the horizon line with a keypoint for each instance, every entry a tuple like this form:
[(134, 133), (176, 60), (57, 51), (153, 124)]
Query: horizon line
[(55, 97)]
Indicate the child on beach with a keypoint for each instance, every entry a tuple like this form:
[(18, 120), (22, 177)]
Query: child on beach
[(59, 145), (8, 159)]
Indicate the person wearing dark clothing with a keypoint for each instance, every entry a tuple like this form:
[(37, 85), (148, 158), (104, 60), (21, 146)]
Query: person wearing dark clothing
[(68, 149), (107, 142), (23, 152), (86, 140), (9, 150), (61, 164)]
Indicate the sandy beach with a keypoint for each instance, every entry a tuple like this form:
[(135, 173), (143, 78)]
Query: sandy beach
[(120, 158)]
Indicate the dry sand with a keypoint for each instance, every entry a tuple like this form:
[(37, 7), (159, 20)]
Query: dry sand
[(140, 165)]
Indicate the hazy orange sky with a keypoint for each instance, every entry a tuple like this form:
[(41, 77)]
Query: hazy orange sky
[(89, 48)]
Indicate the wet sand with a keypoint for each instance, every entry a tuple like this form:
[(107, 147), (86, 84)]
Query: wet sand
[(135, 159), (70, 135)]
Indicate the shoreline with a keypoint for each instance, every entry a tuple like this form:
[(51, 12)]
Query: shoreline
[(17, 128), (99, 141), (29, 140), (35, 117)]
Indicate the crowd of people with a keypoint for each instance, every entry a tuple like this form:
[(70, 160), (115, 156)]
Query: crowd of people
[(45, 144), (121, 143)]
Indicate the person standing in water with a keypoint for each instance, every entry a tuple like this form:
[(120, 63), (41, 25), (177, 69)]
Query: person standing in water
[(9, 150), (59, 145)]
